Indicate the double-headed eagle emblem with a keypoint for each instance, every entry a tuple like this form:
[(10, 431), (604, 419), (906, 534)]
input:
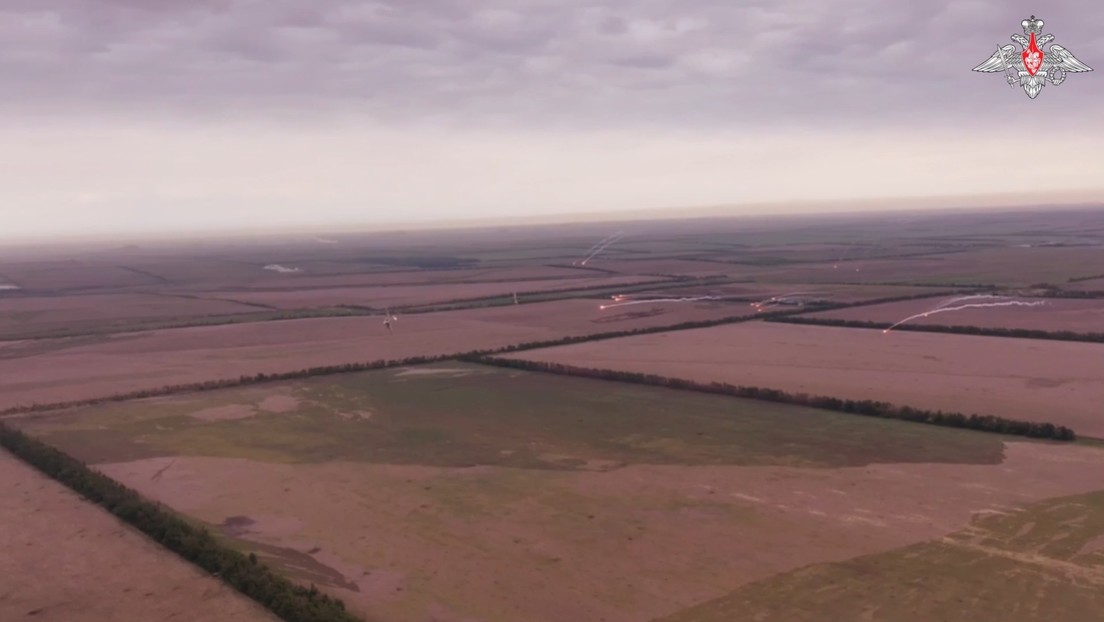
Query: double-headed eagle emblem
[(1032, 67)]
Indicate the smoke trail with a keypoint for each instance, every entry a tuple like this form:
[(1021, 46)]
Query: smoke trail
[(590, 251), (603, 248), (598, 251), (659, 300), (973, 305), (970, 297)]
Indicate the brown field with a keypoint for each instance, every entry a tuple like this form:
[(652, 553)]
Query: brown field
[(1080, 316), (65, 560), (54, 370), (676, 267), (1009, 266), (22, 316), (417, 295), (500, 544), (460, 492), (817, 291), (1059, 382)]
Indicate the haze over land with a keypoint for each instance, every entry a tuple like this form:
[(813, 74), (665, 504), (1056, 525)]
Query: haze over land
[(138, 117)]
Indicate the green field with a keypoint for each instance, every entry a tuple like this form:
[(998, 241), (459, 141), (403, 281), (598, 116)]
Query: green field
[(463, 415), (1043, 563)]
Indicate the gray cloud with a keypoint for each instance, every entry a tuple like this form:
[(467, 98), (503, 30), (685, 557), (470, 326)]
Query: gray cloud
[(700, 63)]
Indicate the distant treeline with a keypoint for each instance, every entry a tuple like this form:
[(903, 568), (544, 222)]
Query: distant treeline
[(245, 573), (325, 370), (869, 408), (1078, 279), (213, 385), (1022, 333)]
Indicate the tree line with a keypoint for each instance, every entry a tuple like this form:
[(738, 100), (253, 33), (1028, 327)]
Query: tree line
[(869, 408), (226, 383), (325, 370), (245, 573), (1022, 333)]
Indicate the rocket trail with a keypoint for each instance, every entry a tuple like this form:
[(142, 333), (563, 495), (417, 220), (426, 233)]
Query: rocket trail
[(659, 300), (970, 297), (603, 246), (593, 249), (973, 305)]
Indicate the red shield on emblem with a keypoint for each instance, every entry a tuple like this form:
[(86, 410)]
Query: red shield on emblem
[(1032, 57)]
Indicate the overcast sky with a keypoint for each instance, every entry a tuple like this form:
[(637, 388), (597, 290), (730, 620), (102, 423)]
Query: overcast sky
[(134, 115)]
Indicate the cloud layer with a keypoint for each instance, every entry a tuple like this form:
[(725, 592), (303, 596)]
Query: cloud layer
[(552, 63)]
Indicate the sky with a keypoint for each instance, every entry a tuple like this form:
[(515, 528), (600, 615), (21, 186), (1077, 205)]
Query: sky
[(182, 115)]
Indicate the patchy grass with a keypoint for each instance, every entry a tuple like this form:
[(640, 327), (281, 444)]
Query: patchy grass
[(1042, 563), (467, 415)]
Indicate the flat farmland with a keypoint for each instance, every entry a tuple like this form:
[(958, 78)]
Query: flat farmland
[(819, 291), (1054, 314), (1057, 382), (417, 295), (28, 316), (1010, 266), (65, 560), (676, 267), (53, 370), (461, 492)]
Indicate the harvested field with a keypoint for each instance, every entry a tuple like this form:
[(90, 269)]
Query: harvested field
[(454, 501), (1014, 266), (1055, 314), (65, 560), (26, 316), (416, 295), (668, 267), (1030, 565), (1057, 382), (54, 370), (807, 291)]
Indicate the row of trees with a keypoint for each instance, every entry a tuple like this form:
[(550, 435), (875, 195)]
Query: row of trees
[(291, 602), (1022, 333), (212, 385), (226, 383), (870, 408)]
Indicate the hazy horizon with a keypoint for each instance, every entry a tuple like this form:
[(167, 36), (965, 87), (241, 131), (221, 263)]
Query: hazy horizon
[(224, 115)]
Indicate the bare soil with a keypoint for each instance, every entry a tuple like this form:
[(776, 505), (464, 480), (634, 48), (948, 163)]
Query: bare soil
[(63, 559), (1059, 382), (1055, 314), (55, 370), (627, 544)]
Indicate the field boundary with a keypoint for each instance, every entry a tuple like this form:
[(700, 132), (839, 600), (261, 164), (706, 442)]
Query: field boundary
[(868, 408), (1015, 333), (246, 574), (344, 368)]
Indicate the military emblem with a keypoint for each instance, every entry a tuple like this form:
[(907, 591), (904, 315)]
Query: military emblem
[(1033, 66)]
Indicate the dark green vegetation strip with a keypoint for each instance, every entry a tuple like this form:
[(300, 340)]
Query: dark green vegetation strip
[(869, 408), (463, 415), (145, 325), (1039, 564), (1021, 333), (246, 574)]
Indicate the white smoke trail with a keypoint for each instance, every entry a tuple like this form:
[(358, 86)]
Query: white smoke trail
[(598, 251), (659, 300), (590, 251), (970, 297), (973, 305)]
